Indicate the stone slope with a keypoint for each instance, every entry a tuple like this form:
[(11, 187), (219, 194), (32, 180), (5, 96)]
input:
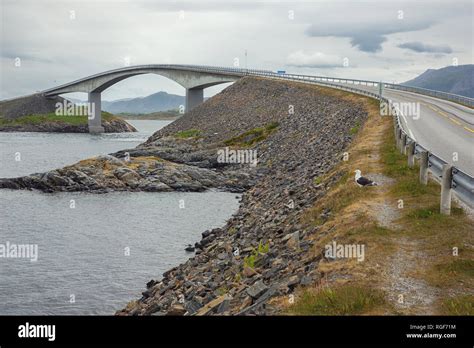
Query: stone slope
[(229, 275)]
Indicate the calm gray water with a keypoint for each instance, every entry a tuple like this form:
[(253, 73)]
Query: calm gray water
[(39, 152), (97, 256)]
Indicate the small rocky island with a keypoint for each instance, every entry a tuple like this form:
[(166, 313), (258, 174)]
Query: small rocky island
[(36, 113), (299, 133)]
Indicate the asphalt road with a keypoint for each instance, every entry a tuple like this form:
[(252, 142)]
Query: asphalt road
[(443, 127)]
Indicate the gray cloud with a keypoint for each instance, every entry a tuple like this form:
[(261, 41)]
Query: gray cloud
[(421, 47), (367, 36)]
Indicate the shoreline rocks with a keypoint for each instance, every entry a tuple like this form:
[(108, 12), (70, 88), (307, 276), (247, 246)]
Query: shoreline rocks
[(116, 125)]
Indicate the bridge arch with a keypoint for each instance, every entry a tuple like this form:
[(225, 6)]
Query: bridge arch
[(193, 79)]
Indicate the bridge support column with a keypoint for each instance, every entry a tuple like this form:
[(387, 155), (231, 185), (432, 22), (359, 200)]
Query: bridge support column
[(194, 97), (95, 117)]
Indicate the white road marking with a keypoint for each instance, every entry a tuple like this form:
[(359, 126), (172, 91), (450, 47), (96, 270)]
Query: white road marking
[(406, 123)]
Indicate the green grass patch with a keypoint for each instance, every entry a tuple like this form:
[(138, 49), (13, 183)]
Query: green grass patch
[(372, 230), (343, 300), (318, 180), (459, 305), (252, 136), (395, 163), (52, 118), (190, 133), (429, 221), (355, 129), (262, 249), (457, 268)]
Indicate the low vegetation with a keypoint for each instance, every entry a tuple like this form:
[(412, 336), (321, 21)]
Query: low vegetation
[(342, 300), (459, 305), (52, 118), (190, 133), (262, 249), (252, 136)]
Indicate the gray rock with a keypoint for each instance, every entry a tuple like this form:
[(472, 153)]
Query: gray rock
[(257, 289)]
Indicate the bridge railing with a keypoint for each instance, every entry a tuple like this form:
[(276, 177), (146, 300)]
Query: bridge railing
[(437, 94)]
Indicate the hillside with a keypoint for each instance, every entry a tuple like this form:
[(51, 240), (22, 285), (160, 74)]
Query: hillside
[(160, 101), (452, 79)]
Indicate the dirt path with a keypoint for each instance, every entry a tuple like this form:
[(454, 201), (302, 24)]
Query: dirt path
[(408, 295)]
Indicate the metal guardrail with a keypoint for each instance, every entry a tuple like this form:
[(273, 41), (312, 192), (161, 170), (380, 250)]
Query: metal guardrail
[(239, 71), (432, 93)]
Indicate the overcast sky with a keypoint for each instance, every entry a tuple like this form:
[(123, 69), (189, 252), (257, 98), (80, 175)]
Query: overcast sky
[(60, 41)]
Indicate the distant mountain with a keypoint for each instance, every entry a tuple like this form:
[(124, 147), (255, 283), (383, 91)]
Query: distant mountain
[(452, 79), (160, 101)]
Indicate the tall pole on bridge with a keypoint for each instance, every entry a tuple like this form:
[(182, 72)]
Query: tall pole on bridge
[(246, 61)]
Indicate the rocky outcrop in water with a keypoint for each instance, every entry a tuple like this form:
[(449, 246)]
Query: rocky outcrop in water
[(37, 104), (115, 125)]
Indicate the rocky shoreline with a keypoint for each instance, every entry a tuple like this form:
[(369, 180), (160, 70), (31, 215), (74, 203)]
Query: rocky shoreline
[(299, 133), (116, 125)]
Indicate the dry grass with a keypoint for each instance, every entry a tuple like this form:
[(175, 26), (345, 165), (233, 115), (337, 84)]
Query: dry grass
[(355, 219)]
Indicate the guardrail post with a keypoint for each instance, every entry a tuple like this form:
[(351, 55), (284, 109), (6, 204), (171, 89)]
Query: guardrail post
[(395, 127), (447, 176), (403, 141), (410, 150), (424, 167), (398, 137)]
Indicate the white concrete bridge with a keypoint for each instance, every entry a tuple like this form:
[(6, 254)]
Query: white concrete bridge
[(193, 78)]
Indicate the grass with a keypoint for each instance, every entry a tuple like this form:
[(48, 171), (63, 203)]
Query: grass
[(432, 235), (343, 300), (51, 118), (342, 195), (459, 305), (262, 249), (355, 129), (252, 136), (446, 273), (458, 268), (190, 133)]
